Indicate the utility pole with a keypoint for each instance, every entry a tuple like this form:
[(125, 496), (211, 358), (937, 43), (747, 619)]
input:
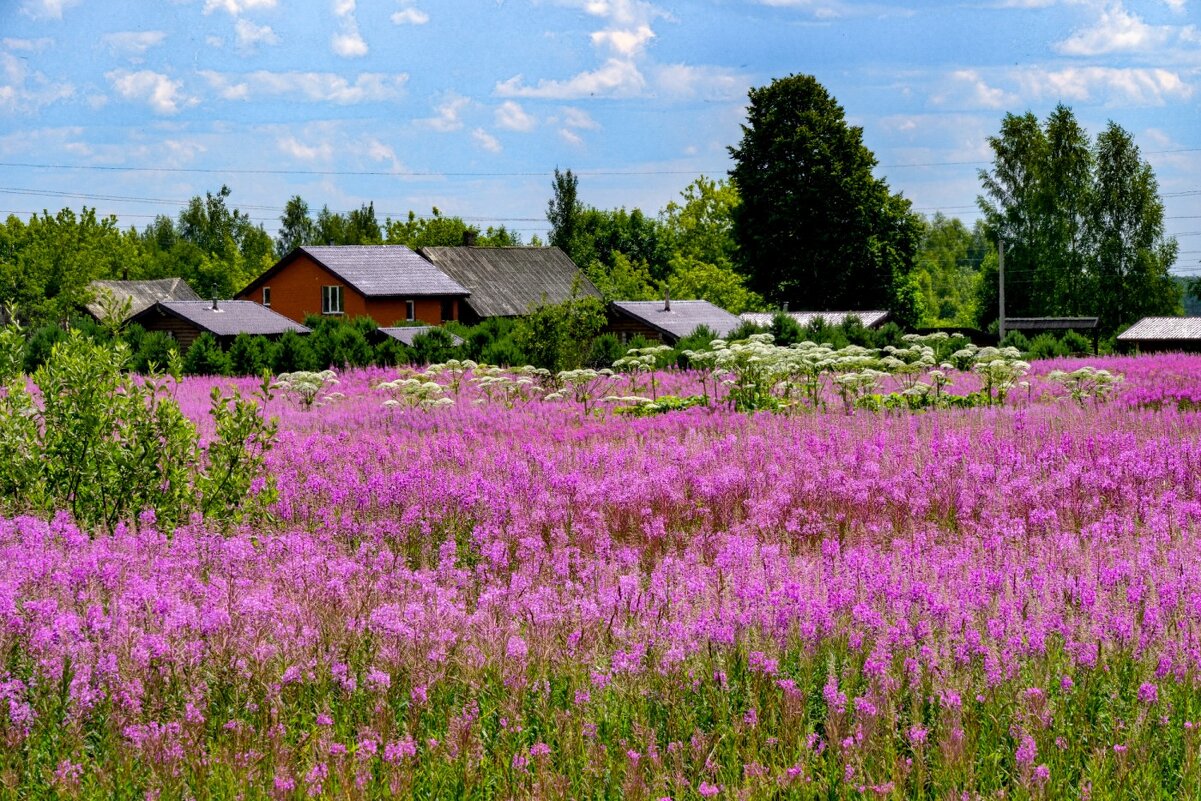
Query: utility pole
[(1001, 288)]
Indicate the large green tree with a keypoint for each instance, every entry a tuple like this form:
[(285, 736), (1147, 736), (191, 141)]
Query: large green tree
[(1082, 224), (950, 261), (816, 228)]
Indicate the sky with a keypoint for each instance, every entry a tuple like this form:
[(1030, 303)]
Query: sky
[(134, 106)]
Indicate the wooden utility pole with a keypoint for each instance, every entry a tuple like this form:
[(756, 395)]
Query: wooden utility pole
[(1001, 289)]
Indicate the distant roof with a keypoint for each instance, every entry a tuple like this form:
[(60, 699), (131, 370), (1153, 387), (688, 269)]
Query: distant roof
[(684, 318), (142, 294), (407, 334), (508, 282), (1050, 323), (1163, 328), (232, 317), (870, 319), (377, 271)]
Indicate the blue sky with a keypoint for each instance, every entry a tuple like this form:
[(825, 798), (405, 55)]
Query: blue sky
[(469, 105)]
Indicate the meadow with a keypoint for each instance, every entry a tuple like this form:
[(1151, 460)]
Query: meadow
[(502, 596)]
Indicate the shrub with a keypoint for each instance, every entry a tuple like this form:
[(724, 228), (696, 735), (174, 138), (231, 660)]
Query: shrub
[(1046, 346), (559, 336), (155, 349), (291, 352), (785, 330), (1016, 339), (606, 349), (434, 346), (38, 348), (1076, 343), (249, 355), (206, 357)]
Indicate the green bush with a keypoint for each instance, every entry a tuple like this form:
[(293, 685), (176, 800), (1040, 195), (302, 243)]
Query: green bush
[(291, 353), (206, 357), (558, 336), (1016, 339), (38, 348), (105, 446), (1076, 343), (1046, 346), (434, 347), (785, 329), (249, 355), (503, 352), (392, 352), (606, 349), (154, 352)]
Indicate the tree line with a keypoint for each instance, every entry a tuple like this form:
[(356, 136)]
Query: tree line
[(801, 220)]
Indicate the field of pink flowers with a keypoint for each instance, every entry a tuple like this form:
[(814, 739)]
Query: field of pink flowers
[(480, 601)]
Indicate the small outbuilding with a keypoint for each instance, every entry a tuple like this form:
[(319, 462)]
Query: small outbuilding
[(1152, 334), (511, 281), (406, 334), (388, 283), (140, 295), (668, 321), (873, 318), (186, 320)]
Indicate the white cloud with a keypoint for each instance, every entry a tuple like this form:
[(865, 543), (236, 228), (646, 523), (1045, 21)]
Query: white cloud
[(347, 43), (249, 36), (578, 118), (315, 86), (214, 41), (408, 15), (614, 78), (512, 117), (1175, 5), (448, 114), (378, 151), (967, 88), (28, 45), (236, 7), (486, 140), (819, 8), (46, 9), (23, 89), (1134, 85), (714, 83), (1118, 31), (163, 95), (133, 44), (571, 137), (624, 42), (293, 147)]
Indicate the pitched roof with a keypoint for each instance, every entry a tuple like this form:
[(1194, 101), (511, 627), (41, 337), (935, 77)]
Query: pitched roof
[(1163, 328), (376, 271), (141, 294), (508, 282), (232, 317), (407, 334), (1050, 323), (870, 319), (684, 317)]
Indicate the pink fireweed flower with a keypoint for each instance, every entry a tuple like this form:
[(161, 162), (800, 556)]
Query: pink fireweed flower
[(1148, 693), (708, 790), (1026, 751), (539, 750)]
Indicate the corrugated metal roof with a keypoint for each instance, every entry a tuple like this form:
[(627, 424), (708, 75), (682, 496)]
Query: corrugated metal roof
[(870, 319), (141, 294), (407, 334), (385, 270), (1163, 328), (509, 282), (232, 317), (684, 317), (1050, 323)]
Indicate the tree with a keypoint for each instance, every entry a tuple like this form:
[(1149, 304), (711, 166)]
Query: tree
[(296, 227), (815, 228), (1082, 224), (949, 264), (562, 212), (559, 336)]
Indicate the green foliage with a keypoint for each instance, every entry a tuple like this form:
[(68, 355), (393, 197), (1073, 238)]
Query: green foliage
[(338, 343), (1047, 346), (1016, 339), (1082, 224), (205, 357), (719, 284), (1088, 384), (305, 386), (815, 227), (606, 349), (291, 352), (435, 345), (249, 355), (1076, 344), (437, 230), (106, 446), (155, 350), (559, 336), (664, 404), (949, 264)]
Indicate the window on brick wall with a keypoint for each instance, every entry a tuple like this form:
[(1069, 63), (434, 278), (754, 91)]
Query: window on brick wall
[(331, 300), (267, 296)]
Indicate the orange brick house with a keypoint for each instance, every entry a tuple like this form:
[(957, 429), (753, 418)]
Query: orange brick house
[(388, 283)]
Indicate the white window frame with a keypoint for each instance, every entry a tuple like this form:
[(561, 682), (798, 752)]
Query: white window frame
[(331, 300), (410, 311), (267, 296)]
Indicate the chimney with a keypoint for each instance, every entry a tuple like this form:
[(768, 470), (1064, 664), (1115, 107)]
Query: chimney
[(666, 299), (469, 238), (215, 306)]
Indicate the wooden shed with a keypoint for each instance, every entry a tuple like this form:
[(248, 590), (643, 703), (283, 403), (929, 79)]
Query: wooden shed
[(186, 320), (510, 282), (668, 321), (1152, 334), (140, 295)]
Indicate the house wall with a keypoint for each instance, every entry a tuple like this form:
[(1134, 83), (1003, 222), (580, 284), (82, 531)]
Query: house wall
[(181, 331), (296, 293), (626, 328)]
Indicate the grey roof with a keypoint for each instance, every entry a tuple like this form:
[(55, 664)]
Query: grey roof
[(406, 334), (232, 317), (1163, 328), (684, 317), (141, 294), (870, 319), (509, 282), (1050, 323), (384, 270)]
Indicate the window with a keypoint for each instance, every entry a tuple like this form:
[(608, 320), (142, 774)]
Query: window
[(331, 300), (448, 309), (410, 310), (267, 296)]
